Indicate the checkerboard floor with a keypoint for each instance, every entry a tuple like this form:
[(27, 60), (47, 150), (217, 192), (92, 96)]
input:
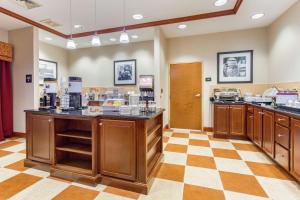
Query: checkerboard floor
[(196, 166)]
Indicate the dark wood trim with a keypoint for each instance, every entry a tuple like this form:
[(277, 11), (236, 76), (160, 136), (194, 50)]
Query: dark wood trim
[(19, 134), (208, 129), (129, 27)]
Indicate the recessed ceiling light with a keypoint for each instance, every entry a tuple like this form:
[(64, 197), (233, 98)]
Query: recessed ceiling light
[(219, 3), (182, 26), (137, 16), (258, 15), (135, 36), (78, 26), (48, 38), (113, 39)]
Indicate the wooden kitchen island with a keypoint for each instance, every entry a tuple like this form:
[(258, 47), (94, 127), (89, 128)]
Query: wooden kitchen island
[(108, 148)]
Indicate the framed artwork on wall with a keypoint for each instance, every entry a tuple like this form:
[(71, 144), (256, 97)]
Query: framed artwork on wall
[(125, 72), (47, 69), (235, 67)]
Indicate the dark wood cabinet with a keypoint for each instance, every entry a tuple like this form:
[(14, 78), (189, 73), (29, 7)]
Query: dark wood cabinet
[(295, 148), (237, 120), (39, 138), (257, 126), (118, 149), (268, 132), (250, 121), (221, 119)]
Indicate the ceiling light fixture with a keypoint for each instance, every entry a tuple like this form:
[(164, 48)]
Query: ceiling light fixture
[(48, 38), (71, 44), (219, 3), (138, 17), (77, 26), (258, 16), (124, 38), (134, 36), (96, 39), (182, 26), (113, 39)]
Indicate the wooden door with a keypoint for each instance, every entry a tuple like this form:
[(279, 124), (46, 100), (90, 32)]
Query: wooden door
[(237, 120), (268, 133), (295, 148), (186, 96), (221, 119), (257, 126), (40, 138), (118, 149), (250, 125)]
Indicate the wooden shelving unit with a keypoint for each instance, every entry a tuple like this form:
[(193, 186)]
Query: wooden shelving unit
[(76, 148), (86, 135)]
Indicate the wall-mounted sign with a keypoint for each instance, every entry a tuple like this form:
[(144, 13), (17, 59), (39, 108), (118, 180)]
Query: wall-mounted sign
[(146, 81), (28, 78)]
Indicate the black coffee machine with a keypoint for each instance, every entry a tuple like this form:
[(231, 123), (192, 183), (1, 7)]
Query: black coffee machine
[(75, 86), (48, 101)]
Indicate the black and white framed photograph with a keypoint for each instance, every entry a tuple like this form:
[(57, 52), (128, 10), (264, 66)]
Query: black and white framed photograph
[(125, 72), (47, 69), (235, 67)]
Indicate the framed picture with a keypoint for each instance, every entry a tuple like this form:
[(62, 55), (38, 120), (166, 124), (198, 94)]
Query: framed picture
[(235, 67), (47, 69), (125, 72)]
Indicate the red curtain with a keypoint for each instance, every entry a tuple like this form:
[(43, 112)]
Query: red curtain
[(6, 101)]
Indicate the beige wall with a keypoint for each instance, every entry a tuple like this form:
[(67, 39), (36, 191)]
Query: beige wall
[(25, 44), (56, 54), (204, 48), (95, 65), (3, 36), (284, 47)]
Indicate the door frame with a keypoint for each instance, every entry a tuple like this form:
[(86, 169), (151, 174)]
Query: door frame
[(169, 90)]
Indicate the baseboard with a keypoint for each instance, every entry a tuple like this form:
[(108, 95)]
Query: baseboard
[(19, 134), (208, 129)]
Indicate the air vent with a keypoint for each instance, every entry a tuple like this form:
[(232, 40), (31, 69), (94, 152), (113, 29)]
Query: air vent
[(50, 23), (27, 4)]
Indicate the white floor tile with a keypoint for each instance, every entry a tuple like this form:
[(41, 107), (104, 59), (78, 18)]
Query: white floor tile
[(36, 172), (254, 157), (44, 189), (98, 187), (239, 196), (164, 190), (198, 136), (280, 189), (221, 145), (12, 158), (168, 134), (178, 130), (232, 165), (16, 148), (109, 196), (241, 141), (7, 173), (203, 177), (201, 151), (174, 140), (175, 158)]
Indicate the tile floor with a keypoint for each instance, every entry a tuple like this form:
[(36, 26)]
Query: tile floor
[(196, 166)]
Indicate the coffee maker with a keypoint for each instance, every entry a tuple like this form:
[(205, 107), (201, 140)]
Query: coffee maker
[(48, 100), (75, 86)]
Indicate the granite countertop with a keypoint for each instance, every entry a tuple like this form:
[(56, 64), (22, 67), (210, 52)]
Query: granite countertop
[(87, 114), (267, 107)]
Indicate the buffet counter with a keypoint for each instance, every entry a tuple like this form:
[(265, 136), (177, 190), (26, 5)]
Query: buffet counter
[(118, 150)]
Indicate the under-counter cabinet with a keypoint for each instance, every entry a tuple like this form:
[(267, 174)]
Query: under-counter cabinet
[(250, 121), (295, 148), (229, 120), (268, 133), (39, 135), (257, 126), (118, 149)]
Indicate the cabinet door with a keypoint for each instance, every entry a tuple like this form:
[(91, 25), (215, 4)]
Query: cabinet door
[(221, 119), (237, 120), (40, 138), (118, 149), (295, 148), (257, 126), (268, 132), (250, 120)]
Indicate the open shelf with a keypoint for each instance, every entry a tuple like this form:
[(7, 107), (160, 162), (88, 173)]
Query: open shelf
[(86, 135), (85, 149), (75, 165)]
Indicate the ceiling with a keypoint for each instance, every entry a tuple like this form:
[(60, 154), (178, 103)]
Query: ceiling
[(109, 15)]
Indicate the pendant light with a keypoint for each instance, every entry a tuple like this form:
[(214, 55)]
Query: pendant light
[(124, 38), (71, 44), (96, 39)]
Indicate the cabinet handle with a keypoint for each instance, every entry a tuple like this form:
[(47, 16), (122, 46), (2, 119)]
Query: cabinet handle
[(261, 113), (280, 119), (100, 124), (49, 120), (279, 135)]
